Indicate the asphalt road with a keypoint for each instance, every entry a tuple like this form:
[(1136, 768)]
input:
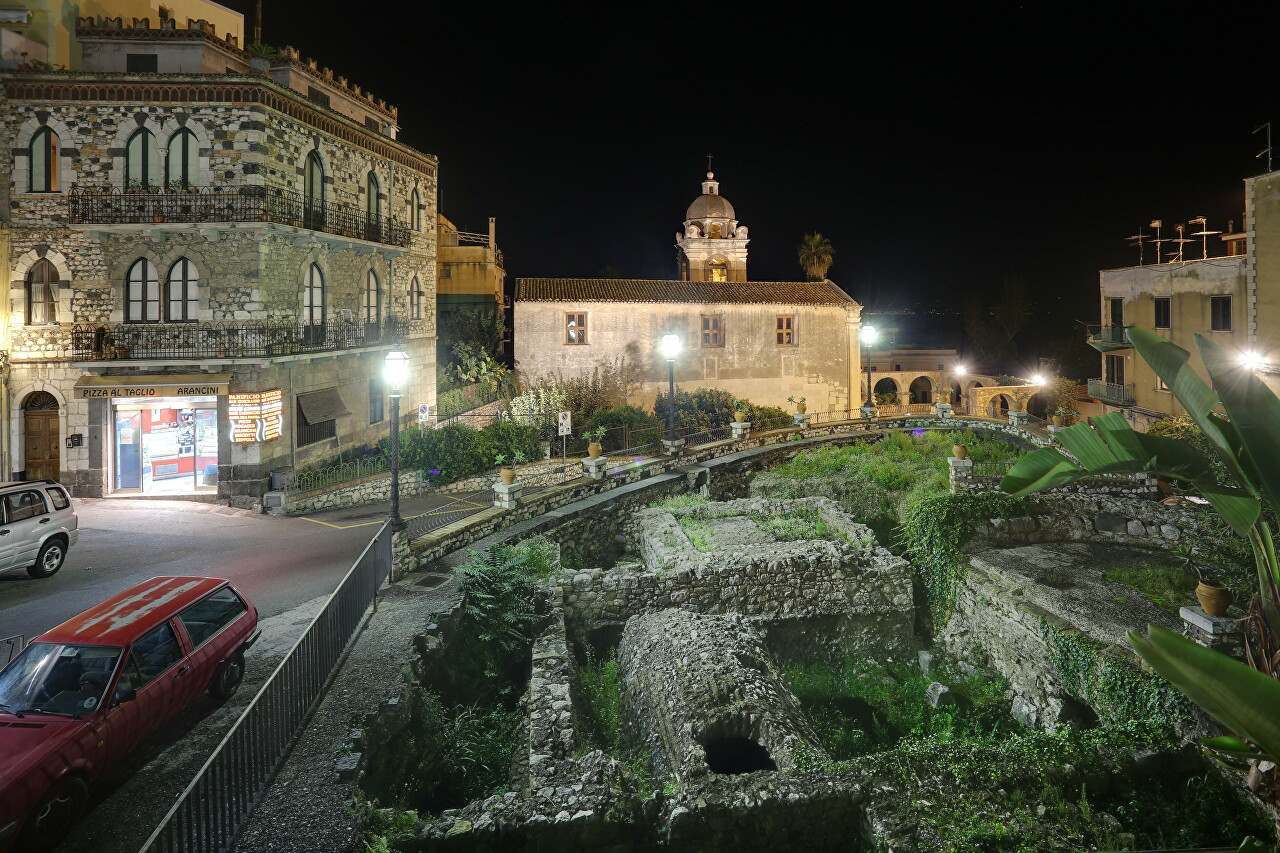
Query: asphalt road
[(278, 562)]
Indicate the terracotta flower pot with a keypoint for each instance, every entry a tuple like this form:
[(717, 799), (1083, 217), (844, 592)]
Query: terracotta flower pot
[(800, 408), (1059, 420), (594, 450), (959, 451), (507, 476), (740, 417), (1213, 597)]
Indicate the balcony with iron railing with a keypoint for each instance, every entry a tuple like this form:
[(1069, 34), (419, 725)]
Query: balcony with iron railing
[(1106, 338), (210, 341), (1115, 393), (88, 206)]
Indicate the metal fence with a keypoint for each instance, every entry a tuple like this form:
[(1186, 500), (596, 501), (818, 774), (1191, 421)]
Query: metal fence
[(631, 457), (294, 482), (9, 648), (708, 436), (894, 409), (212, 810), (547, 476), (456, 510), (766, 424), (106, 341), (233, 204), (835, 416)]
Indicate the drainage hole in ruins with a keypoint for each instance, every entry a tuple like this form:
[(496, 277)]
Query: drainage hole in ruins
[(733, 755)]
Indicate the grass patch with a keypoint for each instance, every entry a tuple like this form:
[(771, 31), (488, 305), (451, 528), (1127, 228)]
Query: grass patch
[(1167, 587), (698, 531), (798, 526), (596, 689)]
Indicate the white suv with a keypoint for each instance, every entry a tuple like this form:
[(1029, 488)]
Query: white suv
[(37, 526)]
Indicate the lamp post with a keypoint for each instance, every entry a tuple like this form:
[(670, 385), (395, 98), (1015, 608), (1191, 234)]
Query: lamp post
[(961, 370), (670, 349), (395, 369), (869, 336)]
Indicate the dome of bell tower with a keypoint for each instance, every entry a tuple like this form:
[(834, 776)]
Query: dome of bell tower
[(710, 205)]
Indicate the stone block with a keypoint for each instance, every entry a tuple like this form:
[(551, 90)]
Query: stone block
[(595, 468), (868, 412), (1109, 522), (1214, 626), (800, 420), (741, 429), (672, 448)]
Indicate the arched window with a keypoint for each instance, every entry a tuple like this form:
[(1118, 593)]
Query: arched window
[(140, 159), (372, 298), (313, 191), (313, 297), (142, 293), (44, 162), (42, 293), (183, 292), (415, 299), (717, 271), (182, 163), (373, 201), (415, 211)]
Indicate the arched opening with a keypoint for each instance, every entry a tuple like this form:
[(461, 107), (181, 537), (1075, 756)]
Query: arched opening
[(999, 407), (1076, 715), (734, 755), (921, 390), (42, 293), (955, 392), (886, 392), (372, 305), (1038, 406), (43, 162), (313, 193), (182, 162), (40, 436), (717, 271), (140, 161), (313, 306)]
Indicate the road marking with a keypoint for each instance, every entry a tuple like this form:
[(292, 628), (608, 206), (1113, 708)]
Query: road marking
[(437, 511)]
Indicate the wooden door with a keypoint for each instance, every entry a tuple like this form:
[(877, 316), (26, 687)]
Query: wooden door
[(43, 458)]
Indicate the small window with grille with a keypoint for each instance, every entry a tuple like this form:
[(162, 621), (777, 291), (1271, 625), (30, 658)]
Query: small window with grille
[(712, 330), (786, 330), (575, 327)]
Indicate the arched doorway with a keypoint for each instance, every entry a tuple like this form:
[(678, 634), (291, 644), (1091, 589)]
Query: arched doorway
[(999, 407), (955, 392), (1038, 406), (921, 390), (40, 436), (886, 392)]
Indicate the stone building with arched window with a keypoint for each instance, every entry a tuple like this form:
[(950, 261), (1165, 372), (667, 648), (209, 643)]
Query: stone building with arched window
[(209, 254)]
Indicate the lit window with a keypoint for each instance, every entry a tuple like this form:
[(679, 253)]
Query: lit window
[(142, 293), (1220, 313), (140, 160), (712, 327), (42, 289), (377, 397), (415, 299), (313, 296), (719, 271), (44, 161), (786, 330), (575, 328), (372, 298)]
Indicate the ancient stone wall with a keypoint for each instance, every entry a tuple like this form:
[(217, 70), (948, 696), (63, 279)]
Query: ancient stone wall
[(1119, 520)]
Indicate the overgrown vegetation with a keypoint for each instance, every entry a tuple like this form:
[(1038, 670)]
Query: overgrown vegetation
[(1167, 587), (454, 451), (707, 408), (596, 689)]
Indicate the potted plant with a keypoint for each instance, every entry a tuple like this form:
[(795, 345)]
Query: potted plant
[(594, 437), (1213, 595), (507, 473), (740, 410), (1064, 416), (959, 451), (800, 406)]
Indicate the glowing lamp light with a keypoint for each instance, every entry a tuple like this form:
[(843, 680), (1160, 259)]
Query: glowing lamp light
[(1037, 379), (1251, 360), (670, 347), (961, 370), (395, 368), (870, 334)]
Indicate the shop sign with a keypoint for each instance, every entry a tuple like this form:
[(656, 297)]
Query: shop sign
[(111, 387), (256, 416)]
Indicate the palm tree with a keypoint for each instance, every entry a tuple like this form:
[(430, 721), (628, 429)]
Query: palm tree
[(816, 256)]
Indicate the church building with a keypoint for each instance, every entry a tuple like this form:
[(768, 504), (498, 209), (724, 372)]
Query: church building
[(760, 340)]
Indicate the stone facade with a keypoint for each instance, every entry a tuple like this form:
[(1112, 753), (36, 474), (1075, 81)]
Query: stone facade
[(253, 135)]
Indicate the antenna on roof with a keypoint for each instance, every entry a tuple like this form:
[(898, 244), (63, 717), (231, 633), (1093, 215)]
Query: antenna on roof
[(1139, 240), (1203, 234), (1266, 150)]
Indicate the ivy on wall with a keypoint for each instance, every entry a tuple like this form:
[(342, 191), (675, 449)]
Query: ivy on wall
[(934, 530), (1117, 692)]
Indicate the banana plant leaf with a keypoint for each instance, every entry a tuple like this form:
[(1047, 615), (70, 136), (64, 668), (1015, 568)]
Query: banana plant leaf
[(1244, 700)]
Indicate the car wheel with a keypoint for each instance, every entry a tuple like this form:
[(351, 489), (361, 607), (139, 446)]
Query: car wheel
[(226, 681), (51, 819), (49, 560)]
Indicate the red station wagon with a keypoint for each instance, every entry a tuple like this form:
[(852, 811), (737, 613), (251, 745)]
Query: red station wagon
[(81, 696)]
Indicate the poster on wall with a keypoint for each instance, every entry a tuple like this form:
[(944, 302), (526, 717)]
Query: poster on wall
[(255, 416)]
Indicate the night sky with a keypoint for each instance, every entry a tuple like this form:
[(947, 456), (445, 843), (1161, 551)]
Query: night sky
[(939, 150)]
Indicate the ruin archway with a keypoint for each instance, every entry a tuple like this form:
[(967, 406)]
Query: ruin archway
[(921, 390), (734, 755), (886, 392)]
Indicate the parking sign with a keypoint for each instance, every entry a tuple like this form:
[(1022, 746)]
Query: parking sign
[(566, 424)]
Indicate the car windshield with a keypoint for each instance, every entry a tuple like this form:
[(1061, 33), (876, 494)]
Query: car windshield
[(52, 678)]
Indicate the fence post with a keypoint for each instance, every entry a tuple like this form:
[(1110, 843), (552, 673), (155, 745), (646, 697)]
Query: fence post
[(741, 429), (868, 412), (507, 495), (800, 420), (672, 447), (961, 474), (594, 468), (1017, 418)]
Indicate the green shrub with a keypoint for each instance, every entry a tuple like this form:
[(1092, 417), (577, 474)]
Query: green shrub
[(454, 451), (640, 427)]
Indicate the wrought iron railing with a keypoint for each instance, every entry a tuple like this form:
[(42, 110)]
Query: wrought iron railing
[(231, 340), (1111, 392), (834, 416), (294, 482), (546, 476), (708, 436), (88, 206), (631, 457), (212, 810), (766, 424), (455, 510), (1109, 337)]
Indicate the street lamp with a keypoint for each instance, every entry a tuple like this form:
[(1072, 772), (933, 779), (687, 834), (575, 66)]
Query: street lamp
[(869, 336), (1038, 379), (1250, 360), (670, 348), (395, 370)]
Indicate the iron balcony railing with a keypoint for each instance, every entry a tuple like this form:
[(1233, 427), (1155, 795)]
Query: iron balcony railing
[(1105, 338), (230, 340), (233, 204), (1111, 392)]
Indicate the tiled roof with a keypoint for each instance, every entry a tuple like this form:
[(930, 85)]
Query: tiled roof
[(650, 290)]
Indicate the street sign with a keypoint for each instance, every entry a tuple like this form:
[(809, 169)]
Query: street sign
[(424, 412), (566, 424)]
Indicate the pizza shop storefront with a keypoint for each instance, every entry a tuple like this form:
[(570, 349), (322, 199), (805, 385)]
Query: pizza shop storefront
[(163, 431)]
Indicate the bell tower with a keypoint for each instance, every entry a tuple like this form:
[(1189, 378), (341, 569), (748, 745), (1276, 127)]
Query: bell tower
[(713, 246)]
